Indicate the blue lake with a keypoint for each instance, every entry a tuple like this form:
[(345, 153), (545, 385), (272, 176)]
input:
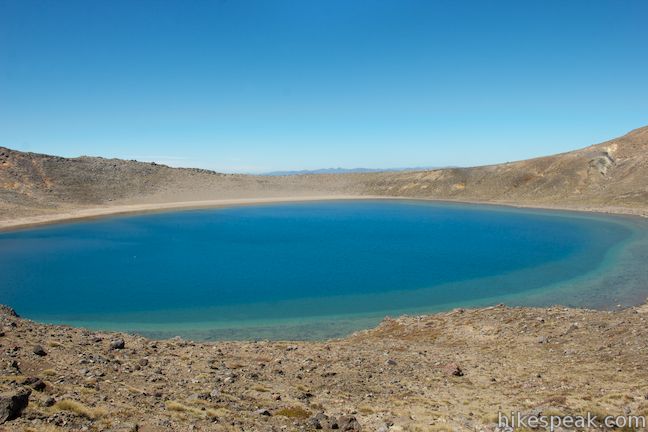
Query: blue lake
[(315, 270)]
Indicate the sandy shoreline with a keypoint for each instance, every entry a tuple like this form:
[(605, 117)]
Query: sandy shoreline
[(100, 212), (125, 209)]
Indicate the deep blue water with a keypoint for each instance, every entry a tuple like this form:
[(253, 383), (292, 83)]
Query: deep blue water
[(297, 270)]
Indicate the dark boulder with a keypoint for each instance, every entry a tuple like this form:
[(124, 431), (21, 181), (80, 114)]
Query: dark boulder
[(314, 423), (117, 344), (263, 412), (349, 424), (39, 351), (35, 383), (12, 404), (6, 310)]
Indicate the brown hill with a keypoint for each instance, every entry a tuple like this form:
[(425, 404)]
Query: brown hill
[(613, 173), (610, 174)]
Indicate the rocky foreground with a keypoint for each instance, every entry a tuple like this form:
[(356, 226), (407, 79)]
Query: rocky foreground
[(450, 371)]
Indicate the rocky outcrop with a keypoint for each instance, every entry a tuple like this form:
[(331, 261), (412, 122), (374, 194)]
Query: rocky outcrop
[(12, 404), (7, 311)]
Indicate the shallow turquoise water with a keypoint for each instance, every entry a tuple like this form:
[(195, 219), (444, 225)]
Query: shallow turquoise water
[(315, 270)]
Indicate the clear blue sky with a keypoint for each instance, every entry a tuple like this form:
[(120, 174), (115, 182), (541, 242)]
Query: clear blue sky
[(254, 86)]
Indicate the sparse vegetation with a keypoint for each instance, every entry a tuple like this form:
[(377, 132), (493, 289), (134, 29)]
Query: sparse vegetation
[(293, 386), (80, 409), (260, 389), (197, 412), (295, 412)]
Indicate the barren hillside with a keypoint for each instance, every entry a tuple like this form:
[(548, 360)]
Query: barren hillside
[(610, 174), (613, 173)]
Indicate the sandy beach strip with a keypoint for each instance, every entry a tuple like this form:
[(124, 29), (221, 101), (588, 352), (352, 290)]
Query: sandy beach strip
[(114, 210), (124, 209)]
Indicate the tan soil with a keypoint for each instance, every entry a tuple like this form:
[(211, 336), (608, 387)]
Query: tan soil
[(552, 360)]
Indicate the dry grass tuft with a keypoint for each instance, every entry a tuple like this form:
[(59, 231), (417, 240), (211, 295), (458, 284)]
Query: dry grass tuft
[(294, 412), (260, 389), (197, 412), (11, 378), (80, 409), (177, 406)]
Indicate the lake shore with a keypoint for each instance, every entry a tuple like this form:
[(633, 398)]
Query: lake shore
[(80, 214)]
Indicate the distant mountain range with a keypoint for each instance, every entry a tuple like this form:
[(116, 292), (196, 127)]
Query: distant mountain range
[(344, 171)]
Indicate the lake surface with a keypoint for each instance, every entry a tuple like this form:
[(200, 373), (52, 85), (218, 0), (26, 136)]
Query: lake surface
[(315, 270)]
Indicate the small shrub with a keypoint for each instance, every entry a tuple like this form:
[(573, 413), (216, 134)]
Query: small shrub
[(294, 412), (365, 410), (177, 406)]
